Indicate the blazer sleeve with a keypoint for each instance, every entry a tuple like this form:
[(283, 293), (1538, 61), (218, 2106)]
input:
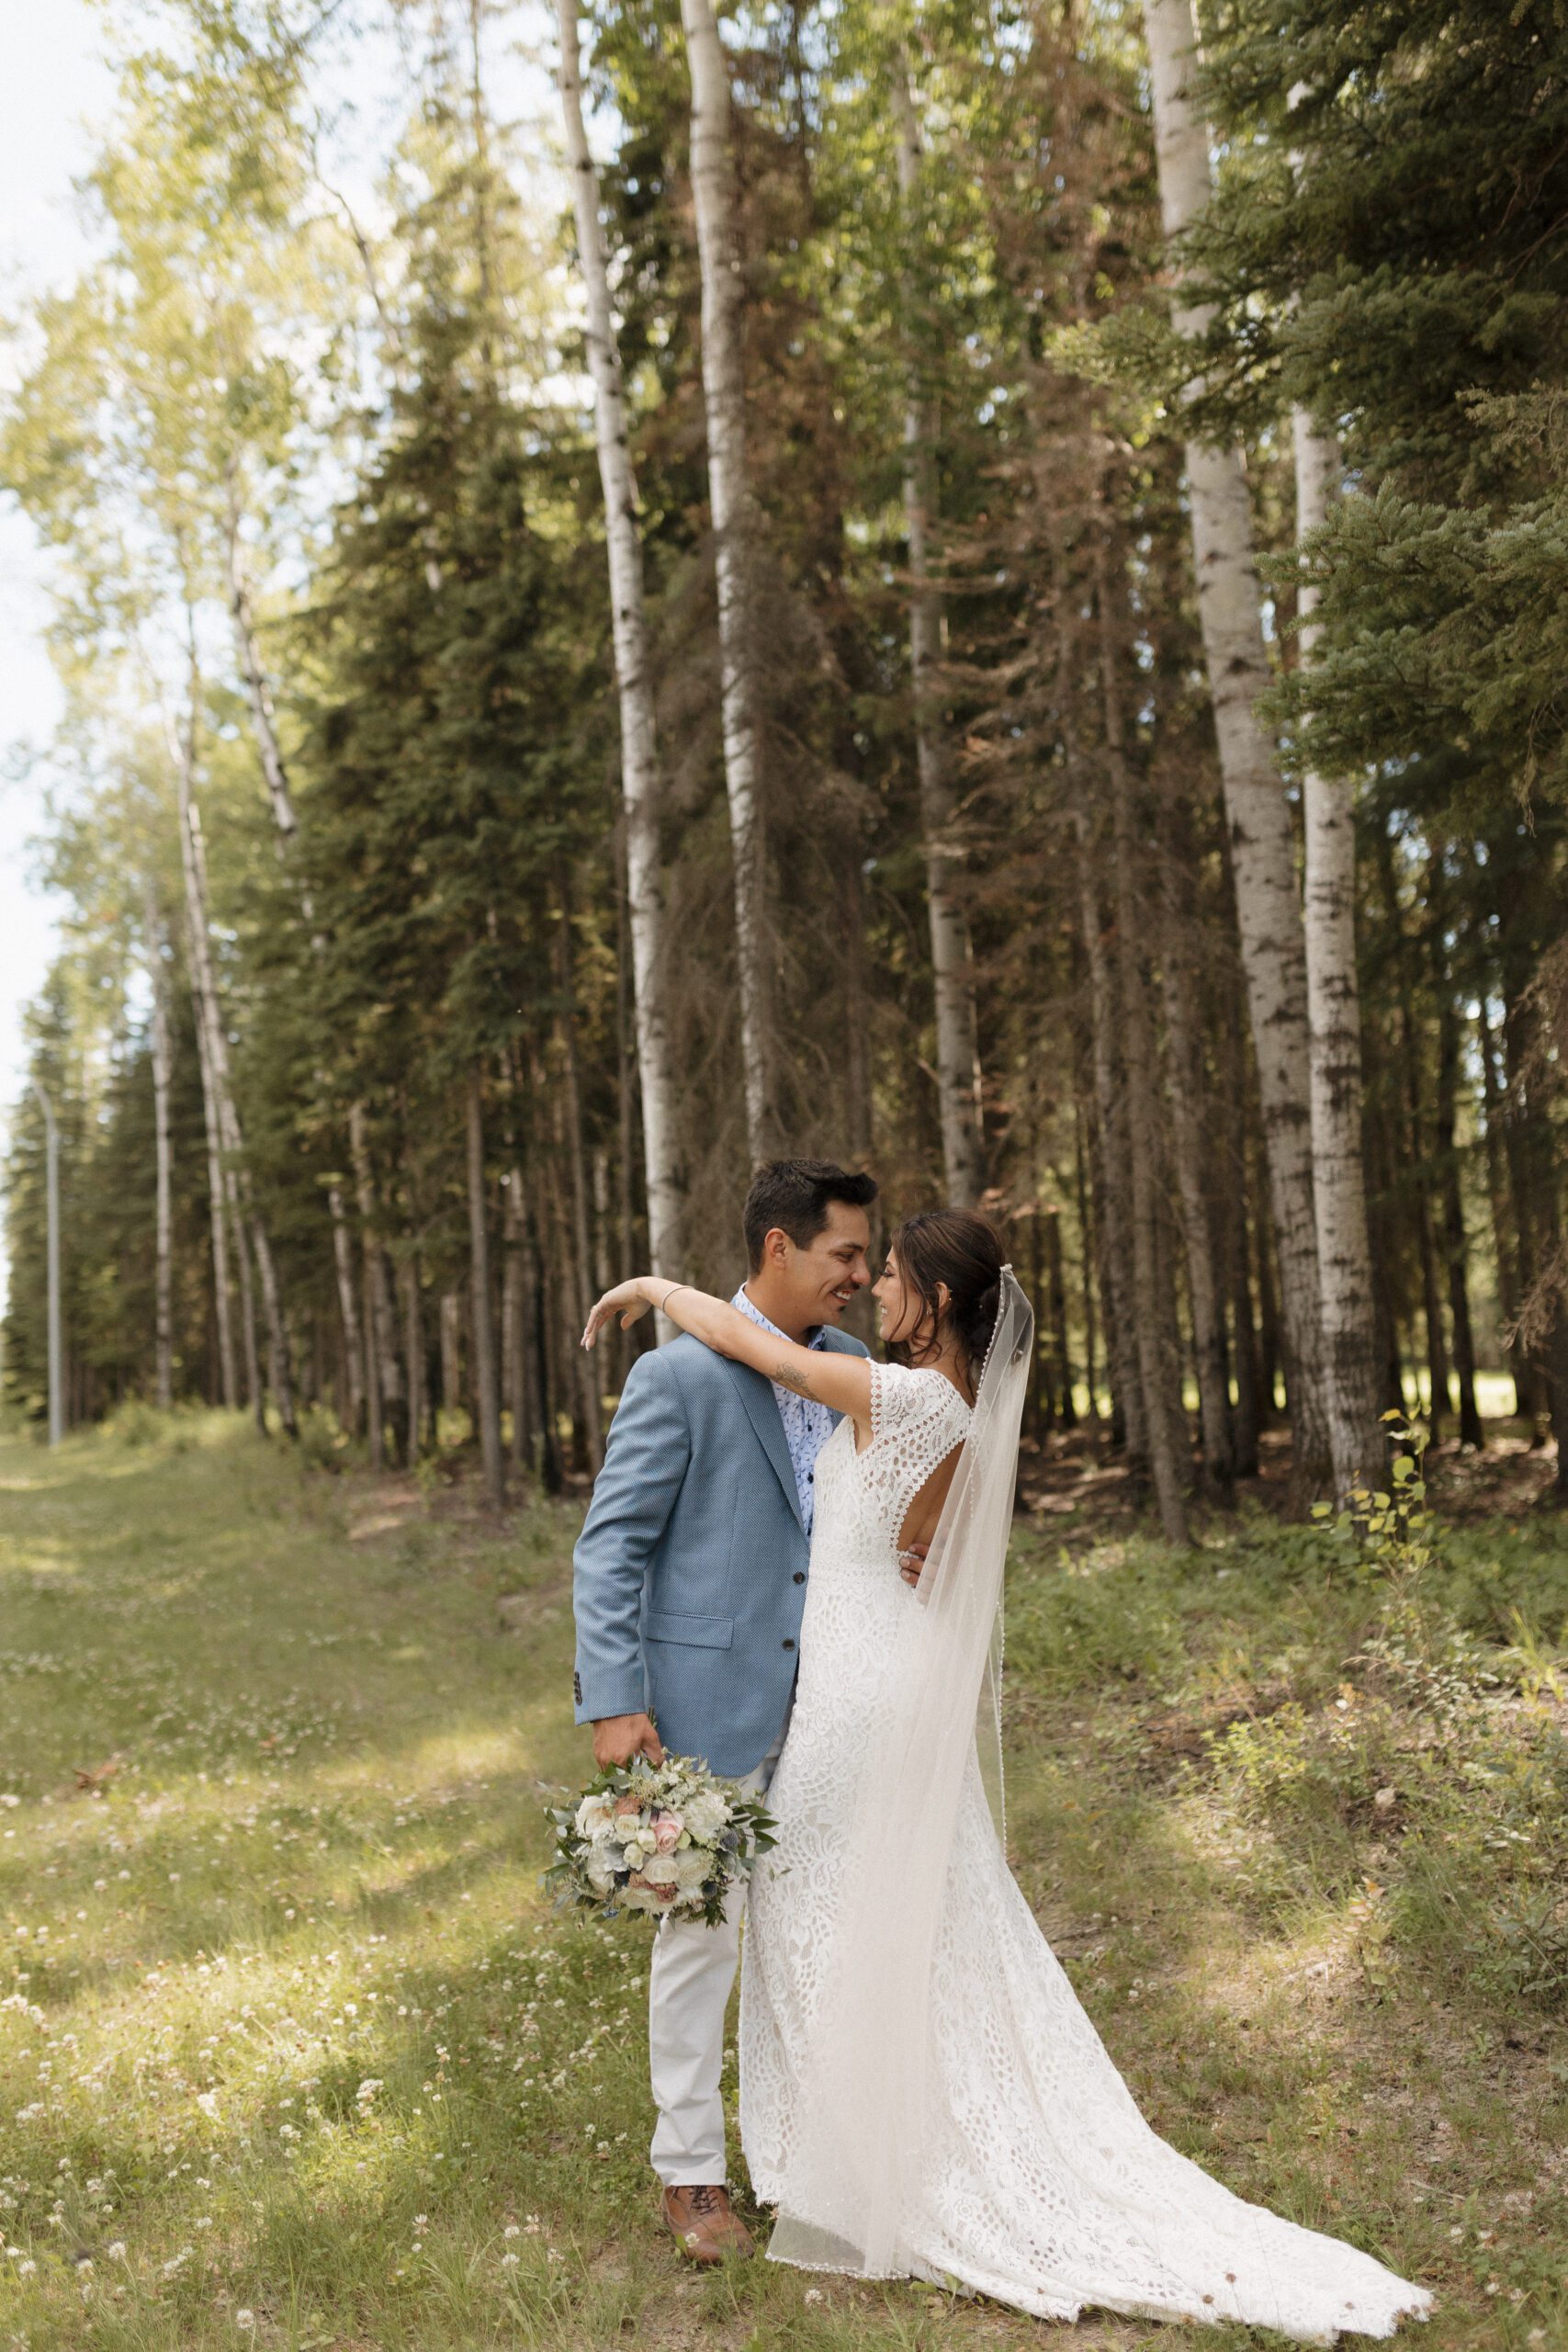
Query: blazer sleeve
[(645, 1463)]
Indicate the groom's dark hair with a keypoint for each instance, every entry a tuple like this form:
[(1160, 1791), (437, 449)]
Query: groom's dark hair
[(793, 1195)]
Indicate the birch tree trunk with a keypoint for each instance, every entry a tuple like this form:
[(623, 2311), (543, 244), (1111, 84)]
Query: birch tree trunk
[(959, 1087), (1261, 844), (217, 1208), (163, 1073), (255, 1392), (258, 694), (576, 1158), (487, 1394), (1191, 1140), (1351, 1386), (734, 526), (230, 1139), (634, 680)]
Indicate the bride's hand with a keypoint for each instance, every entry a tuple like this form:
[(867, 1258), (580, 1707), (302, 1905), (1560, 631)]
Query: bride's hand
[(628, 1300)]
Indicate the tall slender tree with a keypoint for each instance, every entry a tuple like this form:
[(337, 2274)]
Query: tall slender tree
[(959, 1085), (735, 528), (163, 1080), (633, 679), (1262, 846)]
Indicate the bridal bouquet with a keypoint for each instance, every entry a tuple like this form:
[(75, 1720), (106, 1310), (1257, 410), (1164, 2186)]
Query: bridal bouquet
[(665, 1838)]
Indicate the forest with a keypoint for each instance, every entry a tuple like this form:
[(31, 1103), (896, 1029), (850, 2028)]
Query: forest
[(976, 587)]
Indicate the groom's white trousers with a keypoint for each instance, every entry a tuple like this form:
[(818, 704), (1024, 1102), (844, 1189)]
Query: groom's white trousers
[(688, 1993)]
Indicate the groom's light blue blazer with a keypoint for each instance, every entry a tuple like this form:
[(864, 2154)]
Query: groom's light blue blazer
[(689, 1577)]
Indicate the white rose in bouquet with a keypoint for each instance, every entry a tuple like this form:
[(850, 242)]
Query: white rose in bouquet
[(659, 1839), (706, 1818)]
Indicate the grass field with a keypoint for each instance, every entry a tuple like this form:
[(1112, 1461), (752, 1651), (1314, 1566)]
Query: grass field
[(293, 2055)]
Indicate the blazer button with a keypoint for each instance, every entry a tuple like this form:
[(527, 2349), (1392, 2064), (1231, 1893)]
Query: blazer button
[(789, 1646), (800, 1575)]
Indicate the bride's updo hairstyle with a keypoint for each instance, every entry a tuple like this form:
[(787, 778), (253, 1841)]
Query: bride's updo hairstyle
[(957, 1247)]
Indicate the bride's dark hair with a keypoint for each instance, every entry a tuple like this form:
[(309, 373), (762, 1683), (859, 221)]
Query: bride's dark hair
[(962, 1249)]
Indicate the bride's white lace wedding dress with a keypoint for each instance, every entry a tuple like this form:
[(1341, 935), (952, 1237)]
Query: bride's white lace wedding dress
[(1038, 2181)]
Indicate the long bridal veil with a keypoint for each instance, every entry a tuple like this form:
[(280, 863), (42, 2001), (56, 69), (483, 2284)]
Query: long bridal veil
[(857, 2144)]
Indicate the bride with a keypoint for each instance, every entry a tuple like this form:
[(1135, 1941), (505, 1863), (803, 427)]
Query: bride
[(921, 2095)]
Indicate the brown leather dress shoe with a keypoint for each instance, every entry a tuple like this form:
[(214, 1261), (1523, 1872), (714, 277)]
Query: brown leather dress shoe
[(705, 2226)]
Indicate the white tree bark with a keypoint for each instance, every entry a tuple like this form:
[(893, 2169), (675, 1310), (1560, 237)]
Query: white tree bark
[(959, 1084), (220, 1093), (258, 694), (1352, 1389), (581, 1252), (634, 679), (163, 1072), (1192, 1145), (217, 1211), (1262, 846), (734, 525)]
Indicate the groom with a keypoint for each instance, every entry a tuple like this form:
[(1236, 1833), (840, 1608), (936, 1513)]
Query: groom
[(688, 1583)]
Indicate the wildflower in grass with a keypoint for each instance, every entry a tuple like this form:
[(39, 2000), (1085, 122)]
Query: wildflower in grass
[(115, 2250), (509, 2262), (511, 2230), (244, 2319)]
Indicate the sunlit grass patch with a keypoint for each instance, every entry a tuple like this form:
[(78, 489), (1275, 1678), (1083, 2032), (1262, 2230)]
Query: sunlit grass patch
[(291, 2051)]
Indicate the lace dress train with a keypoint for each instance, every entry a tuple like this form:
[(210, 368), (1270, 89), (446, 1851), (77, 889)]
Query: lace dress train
[(1038, 2181)]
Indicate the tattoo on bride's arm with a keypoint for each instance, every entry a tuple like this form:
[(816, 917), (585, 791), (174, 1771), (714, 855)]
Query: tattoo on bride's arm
[(787, 1377)]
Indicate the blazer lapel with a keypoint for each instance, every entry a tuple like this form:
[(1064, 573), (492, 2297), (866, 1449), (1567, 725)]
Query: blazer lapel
[(761, 1407)]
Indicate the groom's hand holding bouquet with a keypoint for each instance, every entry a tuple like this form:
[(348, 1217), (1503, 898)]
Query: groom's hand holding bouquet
[(620, 1739), (668, 1839)]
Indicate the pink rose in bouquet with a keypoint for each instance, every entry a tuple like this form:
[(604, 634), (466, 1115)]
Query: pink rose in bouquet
[(662, 1839)]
